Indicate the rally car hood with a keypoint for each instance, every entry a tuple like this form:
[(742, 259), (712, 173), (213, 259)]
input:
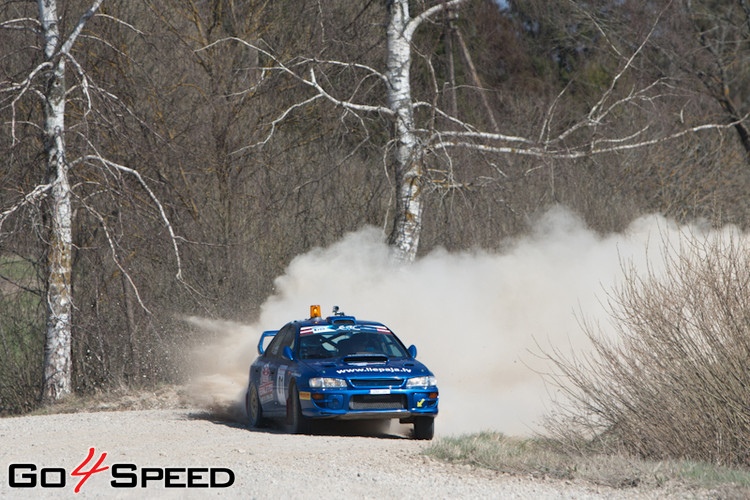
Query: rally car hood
[(368, 367)]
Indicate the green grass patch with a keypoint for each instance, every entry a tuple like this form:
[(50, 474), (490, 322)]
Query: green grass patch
[(21, 324), (12, 266), (16, 275), (21, 336), (712, 475)]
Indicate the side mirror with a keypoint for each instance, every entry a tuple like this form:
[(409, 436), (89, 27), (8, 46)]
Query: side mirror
[(288, 354), (412, 351)]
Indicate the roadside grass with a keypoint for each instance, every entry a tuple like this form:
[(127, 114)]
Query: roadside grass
[(21, 324), (21, 336), (543, 457), (162, 397), (16, 274)]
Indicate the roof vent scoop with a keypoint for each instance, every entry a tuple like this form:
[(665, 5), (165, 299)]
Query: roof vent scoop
[(339, 318)]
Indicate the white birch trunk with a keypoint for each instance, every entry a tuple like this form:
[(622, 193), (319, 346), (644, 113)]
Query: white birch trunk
[(57, 349), (407, 223)]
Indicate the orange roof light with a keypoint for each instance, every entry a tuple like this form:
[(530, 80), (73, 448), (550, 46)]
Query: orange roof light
[(314, 312)]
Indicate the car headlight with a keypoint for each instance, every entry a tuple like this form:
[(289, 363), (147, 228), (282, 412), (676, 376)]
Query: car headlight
[(421, 381), (325, 382)]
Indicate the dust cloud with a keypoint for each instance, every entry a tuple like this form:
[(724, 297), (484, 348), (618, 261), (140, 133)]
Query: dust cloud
[(479, 319)]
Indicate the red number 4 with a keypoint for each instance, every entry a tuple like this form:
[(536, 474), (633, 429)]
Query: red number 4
[(87, 474)]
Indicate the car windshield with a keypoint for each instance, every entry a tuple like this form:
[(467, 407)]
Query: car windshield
[(334, 345)]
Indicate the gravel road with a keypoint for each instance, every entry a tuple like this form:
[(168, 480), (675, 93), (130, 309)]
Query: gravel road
[(366, 463)]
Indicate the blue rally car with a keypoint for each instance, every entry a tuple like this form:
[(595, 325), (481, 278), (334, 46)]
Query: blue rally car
[(339, 367)]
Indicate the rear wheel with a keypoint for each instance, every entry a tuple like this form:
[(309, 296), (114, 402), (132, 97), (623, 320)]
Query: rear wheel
[(298, 423), (424, 428), (254, 409)]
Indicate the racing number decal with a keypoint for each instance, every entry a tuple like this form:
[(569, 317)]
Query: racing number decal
[(280, 385)]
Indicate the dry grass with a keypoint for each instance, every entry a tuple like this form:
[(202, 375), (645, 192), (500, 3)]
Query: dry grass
[(546, 458), (122, 399)]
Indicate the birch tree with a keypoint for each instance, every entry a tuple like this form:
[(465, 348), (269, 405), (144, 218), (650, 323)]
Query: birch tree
[(46, 85), (409, 166), (57, 349), (621, 118)]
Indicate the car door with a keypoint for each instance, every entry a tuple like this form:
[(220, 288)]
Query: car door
[(273, 373)]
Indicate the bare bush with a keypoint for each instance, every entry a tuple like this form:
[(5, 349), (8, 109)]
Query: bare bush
[(672, 382)]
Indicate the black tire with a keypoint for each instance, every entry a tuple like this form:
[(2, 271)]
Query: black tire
[(424, 428), (296, 421), (254, 409)]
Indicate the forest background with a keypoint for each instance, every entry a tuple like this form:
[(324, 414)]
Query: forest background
[(202, 160)]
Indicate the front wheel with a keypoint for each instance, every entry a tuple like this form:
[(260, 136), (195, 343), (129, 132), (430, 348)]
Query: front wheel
[(297, 422), (424, 428), (254, 409)]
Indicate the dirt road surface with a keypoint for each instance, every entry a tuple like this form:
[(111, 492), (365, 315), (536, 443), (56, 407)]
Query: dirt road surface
[(366, 462)]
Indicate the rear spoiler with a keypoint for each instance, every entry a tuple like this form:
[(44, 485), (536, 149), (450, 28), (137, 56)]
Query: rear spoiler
[(268, 334)]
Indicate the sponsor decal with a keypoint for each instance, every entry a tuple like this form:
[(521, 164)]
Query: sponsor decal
[(377, 328), (308, 330), (374, 369), (304, 396), (121, 475), (280, 385), (265, 388)]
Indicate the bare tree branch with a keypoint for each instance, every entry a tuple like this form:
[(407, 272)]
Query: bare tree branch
[(35, 195), (310, 82), (115, 256), (11, 23), (412, 26), (585, 150), (154, 199), (22, 88), (344, 104), (120, 21), (65, 48), (275, 122)]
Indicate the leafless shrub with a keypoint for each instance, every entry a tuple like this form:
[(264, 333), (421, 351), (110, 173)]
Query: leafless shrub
[(673, 380)]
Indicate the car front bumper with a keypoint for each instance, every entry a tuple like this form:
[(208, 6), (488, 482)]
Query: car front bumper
[(348, 404)]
